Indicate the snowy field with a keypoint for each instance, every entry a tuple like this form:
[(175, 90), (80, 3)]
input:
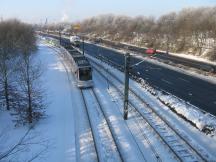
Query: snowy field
[(53, 137), (69, 132)]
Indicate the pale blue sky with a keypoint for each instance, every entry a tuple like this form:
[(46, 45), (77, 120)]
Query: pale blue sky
[(36, 11)]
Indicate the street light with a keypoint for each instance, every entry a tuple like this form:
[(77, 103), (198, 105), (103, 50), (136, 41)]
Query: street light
[(127, 68), (83, 44), (60, 37), (126, 89)]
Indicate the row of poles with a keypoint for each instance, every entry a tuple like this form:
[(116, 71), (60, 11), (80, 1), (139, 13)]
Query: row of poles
[(126, 70)]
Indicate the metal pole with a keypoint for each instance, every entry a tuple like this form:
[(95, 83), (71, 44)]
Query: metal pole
[(60, 37), (107, 79), (127, 67), (83, 45)]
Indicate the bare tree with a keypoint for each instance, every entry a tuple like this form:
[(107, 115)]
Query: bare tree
[(33, 96), (19, 73), (30, 72), (167, 28), (191, 28), (8, 57), (212, 25)]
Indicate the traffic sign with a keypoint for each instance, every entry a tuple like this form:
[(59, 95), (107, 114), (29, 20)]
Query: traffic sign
[(76, 27)]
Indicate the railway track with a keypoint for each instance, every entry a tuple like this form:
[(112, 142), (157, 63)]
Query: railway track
[(181, 147), (141, 135), (101, 138), (84, 139), (107, 149), (96, 108)]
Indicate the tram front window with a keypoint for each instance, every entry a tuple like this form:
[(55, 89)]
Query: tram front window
[(85, 74)]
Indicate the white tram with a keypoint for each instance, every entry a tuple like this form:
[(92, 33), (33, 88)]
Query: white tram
[(81, 68)]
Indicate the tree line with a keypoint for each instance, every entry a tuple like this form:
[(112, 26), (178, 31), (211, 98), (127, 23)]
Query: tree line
[(20, 90), (190, 30)]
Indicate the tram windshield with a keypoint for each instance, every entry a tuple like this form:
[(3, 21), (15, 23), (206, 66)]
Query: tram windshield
[(85, 74)]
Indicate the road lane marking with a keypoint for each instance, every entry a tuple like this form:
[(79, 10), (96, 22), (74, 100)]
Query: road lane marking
[(153, 68), (190, 94), (184, 80), (168, 82)]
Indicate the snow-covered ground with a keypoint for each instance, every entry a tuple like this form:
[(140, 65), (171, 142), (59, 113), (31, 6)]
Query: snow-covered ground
[(191, 113), (185, 129), (65, 134), (54, 135)]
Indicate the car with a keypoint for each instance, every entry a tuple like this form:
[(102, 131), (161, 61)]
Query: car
[(150, 51), (75, 40)]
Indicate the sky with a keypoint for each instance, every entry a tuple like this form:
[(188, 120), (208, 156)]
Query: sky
[(36, 11)]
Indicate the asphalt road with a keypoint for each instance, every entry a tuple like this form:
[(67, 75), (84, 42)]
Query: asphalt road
[(162, 56), (194, 90), (187, 62)]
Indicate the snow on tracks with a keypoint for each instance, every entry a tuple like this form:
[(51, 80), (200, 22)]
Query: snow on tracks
[(88, 144), (175, 141), (105, 146)]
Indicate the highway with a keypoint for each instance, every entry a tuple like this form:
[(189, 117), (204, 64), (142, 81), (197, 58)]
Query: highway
[(160, 55), (194, 90), (186, 62)]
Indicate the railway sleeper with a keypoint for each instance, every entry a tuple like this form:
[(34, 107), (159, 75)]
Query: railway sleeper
[(169, 136), (177, 144), (173, 141), (184, 151), (180, 149), (158, 125), (189, 157), (163, 133), (161, 127)]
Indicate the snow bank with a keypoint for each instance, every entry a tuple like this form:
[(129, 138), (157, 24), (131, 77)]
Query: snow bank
[(197, 117)]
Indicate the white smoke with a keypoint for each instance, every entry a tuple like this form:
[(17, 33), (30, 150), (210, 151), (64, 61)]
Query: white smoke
[(65, 17)]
